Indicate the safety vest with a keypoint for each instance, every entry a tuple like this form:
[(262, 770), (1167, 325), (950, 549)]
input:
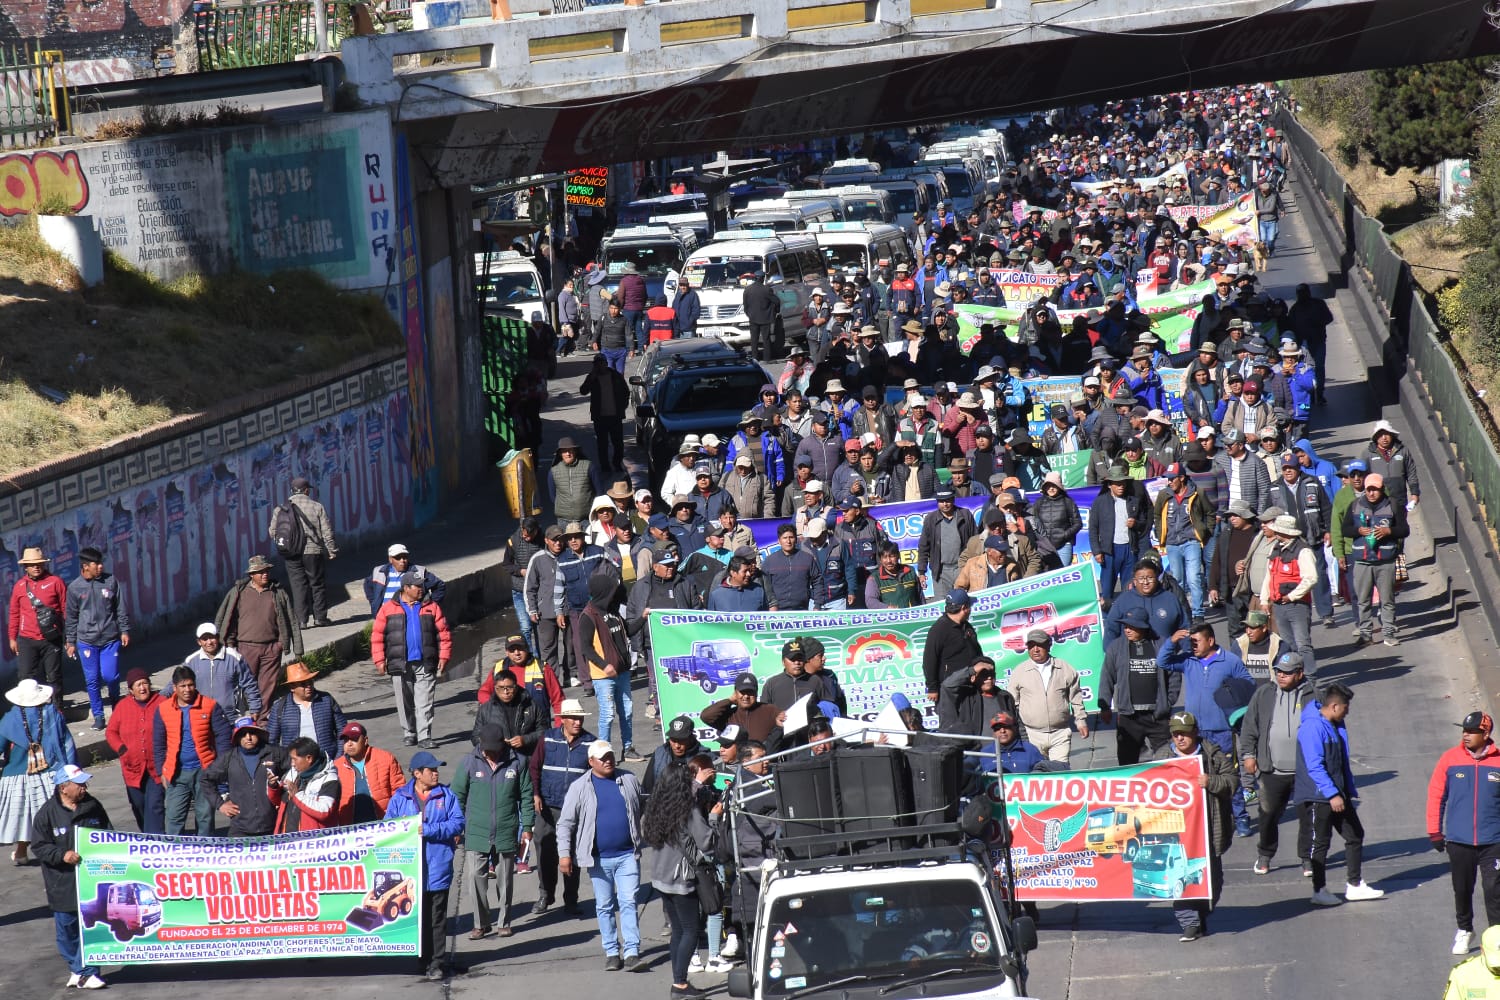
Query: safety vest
[(661, 323), (562, 764), (899, 591), (1285, 570)]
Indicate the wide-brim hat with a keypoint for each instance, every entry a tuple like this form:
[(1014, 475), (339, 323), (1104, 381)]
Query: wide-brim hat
[(257, 564), (572, 528), (912, 326), (571, 708), (29, 694), (33, 556), (1286, 524), (296, 673), (567, 444), (247, 723), (620, 491)]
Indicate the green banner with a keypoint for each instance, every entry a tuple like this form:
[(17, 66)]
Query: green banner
[(1074, 466), (148, 899), (697, 654), (1171, 313)]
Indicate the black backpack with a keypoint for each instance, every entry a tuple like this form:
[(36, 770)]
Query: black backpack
[(287, 530)]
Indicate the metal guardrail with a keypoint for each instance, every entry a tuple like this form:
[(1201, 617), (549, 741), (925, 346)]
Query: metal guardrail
[(267, 32), (32, 103), (1416, 336)]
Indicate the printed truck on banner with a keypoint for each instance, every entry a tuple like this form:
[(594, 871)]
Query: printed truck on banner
[(128, 909), (1122, 833), (1061, 627), (712, 664)]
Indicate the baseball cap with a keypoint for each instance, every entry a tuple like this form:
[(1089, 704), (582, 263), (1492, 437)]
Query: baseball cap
[(793, 650), (997, 542), (1478, 722), (1183, 722), (1003, 719), (516, 642), (1256, 619), (681, 729), (1288, 663), (746, 682), (642, 495), (396, 550), (71, 773), (352, 731), (1356, 465), (600, 749), (409, 579), (207, 628), (957, 598), (422, 759), (1038, 637), (730, 735), (853, 503)]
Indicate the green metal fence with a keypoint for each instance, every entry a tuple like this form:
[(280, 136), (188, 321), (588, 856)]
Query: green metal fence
[(33, 105), (230, 36), (1416, 333), (507, 383)]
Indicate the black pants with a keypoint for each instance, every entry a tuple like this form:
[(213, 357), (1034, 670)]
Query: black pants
[(1347, 823), (682, 914), (552, 646), (1275, 796), (609, 439), (305, 575), (1192, 913), (434, 927), (545, 834), (762, 340), (1466, 861), (41, 660), (1134, 730)]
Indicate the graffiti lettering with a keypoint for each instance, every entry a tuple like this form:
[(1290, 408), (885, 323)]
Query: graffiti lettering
[(28, 180)]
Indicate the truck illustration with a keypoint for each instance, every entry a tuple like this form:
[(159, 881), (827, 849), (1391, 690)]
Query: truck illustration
[(128, 909), (1164, 870), (1124, 830), (1062, 628), (391, 895), (713, 663)]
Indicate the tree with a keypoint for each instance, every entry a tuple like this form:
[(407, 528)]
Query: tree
[(1421, 115), (1479, 290)]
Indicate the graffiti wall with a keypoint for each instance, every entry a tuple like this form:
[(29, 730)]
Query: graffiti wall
[(100, 39), (312, 195), (178, 519)]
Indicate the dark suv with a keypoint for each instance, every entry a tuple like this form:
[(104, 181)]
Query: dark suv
[(695, 395)]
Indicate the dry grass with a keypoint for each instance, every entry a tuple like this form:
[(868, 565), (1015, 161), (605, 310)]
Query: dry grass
[(81, 367), (154, 121)]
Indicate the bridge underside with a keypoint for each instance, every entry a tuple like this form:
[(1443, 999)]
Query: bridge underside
[(739, 107)]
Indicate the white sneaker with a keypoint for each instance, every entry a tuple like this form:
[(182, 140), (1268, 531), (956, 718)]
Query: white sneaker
[(719, 965), (696, 965), (1462, 942), (1357, 891), (1325, 898), (731, 947), (92, 983), (75, 977)]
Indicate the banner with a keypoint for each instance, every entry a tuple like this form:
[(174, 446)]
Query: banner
[(1137, 832), (1074, 466), (150, 899), (1172, 314), (1044, 392), (697, 654)]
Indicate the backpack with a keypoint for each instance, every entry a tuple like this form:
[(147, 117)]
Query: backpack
[(287, 530)]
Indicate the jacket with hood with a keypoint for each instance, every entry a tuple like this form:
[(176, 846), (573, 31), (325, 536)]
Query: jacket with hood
[(602, 639), (1326, 471), (1463, 796), (442, 822), (1397, 467), (518, 717), (246, 788), (1114, 680), (1262, 717), (1322, 758), (315, 806), (53, 830)]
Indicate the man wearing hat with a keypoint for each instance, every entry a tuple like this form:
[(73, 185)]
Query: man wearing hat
[(544, 604), (1291, 574), (1049, 698), (1258, 647), (1463, 820), (662, 587), (968, 694), (1118, 520), (682, 476), (97, 627), (599, 830), (1480, 975), (764, 450), (563, 760), (1246, 474), (304, 568), (411, 644), (1351, 486), (1184, 523), (1376, 529), (794, 682), (129, 735), (940, 547), (1217, 782), (743, 708), (442, 824), (1135, 691), (1268, 756), (577, 565), (493, 786), (189, 733), (1017, 756), (53, 841), (38, 612), (952, 644), (368, 777), (571, 482), (384, 580), (242, 772), (223, 675), (680, 746), (255, 619)]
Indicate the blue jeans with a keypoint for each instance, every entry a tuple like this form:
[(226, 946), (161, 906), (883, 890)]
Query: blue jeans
[(101, 667), (1117, 566), (1322, 593), (1185, 561), (842, 604), (1224, 740), (615, 358), (635, 323), (616, 882), (613, 694), (68, 944), (523, 619), (1065, 554), (1269, 230), (182, 794)]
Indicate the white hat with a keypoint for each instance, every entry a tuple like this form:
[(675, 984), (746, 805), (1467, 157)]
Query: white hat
[(29, 694), (1053, 478), (1157, 417), (599, 749), (942, 290), (572, 707), (815, 527), (843, 309), (745, 459), (969, 401), (1286, 524), (710, 440), (834, 385), (396, 550), (1207, 431), (71, 774), (813, 486), (207, 628), (642, 495)]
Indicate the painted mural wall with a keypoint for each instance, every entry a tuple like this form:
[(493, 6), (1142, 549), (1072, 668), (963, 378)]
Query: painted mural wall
[(178, 520), (102, 40), (318, 194)]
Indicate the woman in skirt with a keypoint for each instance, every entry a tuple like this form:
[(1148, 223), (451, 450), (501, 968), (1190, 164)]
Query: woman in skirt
[(34, 742)]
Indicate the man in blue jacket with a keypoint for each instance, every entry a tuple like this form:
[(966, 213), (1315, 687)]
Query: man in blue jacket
[(442, 827), (1163, 607), (1325, 780), (1215, 686), (738, 591)]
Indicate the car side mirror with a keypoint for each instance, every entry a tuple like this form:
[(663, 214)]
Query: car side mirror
[(739, 980), (637, 380), (1025, 931)]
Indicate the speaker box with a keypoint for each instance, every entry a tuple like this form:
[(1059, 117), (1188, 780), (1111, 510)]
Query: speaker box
[(874, 786), (807, 798), (936, 777)]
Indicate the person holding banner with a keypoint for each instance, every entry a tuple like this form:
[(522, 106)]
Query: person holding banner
[(244, 773), (53, 835), (306, 796), (1218, 784), (442, 830), (1133, 687)]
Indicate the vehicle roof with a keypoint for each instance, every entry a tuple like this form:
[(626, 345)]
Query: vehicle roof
[(754, 246), (504, 260), (853, 878), (648, 232), (853, 232)]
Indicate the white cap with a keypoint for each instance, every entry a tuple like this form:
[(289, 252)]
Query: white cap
[(396, 550), (71, 773), (599, 749), (207, 628), (744, 459), (815, 527), (642, 495), (1207, 431), (711, 440), (813, 486)]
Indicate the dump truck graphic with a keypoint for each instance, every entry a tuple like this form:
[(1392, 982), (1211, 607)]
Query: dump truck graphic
[(128, 909), (1124, 830), (1164, 871), (392, 895)]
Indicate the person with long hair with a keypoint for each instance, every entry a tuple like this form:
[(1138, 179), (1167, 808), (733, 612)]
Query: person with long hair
[(677, 831)]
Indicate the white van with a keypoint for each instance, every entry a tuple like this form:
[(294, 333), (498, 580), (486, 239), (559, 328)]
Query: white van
[(863, 245), (965, 179), (783, 215), (791, 262), (508, 280)]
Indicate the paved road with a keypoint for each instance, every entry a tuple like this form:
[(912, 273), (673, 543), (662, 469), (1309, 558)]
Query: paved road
[(1267, 941)]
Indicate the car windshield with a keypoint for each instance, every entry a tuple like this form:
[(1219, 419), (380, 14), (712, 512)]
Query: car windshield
[(862, 210), (908, 929), (1152, 859), (845, 255), (1013, 619), (509, 287), (704, 393), (145, 895), (721, 272), (655, 259), (958, 181), (1101, 819), (903, 200), (779, 223), (725, 649)]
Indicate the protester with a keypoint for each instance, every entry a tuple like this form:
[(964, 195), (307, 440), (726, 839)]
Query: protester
[(562, 761), (1217, 782), (237, 783), (188, 734), (1049, 698), (1326, 783), (98, 627), (368, 777), (1135, 691), (223, 674), (129, 736), (305, 711), (410, 643), (679, 838), (255, 620), (1268, 753), (34, 743), (1463, 820), (442, 826), (36, 624), (53, 838), (493, 785)]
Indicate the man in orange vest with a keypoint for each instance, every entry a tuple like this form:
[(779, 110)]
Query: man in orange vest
[(188, 734), (661, 321)]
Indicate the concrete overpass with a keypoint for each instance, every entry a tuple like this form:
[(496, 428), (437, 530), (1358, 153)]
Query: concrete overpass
[(611, 84)]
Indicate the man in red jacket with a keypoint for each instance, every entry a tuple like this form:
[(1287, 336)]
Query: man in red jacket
[(129, 735), (411, 644), (1463, 818), (38, 596)]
